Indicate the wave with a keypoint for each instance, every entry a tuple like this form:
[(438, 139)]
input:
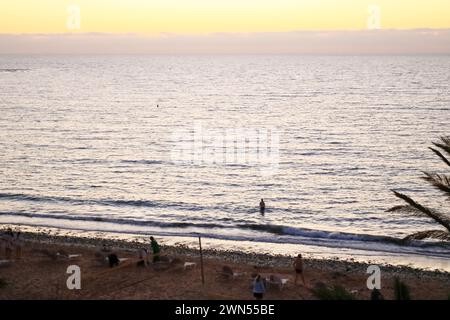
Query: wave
[(142, 161), (102, 202), (13, 69), (122, 221), (183, 206), (300, 234)]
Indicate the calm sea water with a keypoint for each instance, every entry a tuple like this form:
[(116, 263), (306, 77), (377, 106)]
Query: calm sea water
[(84, 145)]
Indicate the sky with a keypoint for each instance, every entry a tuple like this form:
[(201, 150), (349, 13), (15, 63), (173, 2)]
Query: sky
[(37, 26)]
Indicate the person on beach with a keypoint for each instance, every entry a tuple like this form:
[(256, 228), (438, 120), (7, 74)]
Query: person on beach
[(8, 248), (376, 295), (298, 266), (8, 239), (143, 257), (262, 206), (259, 288), (113, 260), (155, 249), (18, 244)]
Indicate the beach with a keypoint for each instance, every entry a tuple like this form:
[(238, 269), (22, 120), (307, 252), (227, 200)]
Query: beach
[(38, 275)]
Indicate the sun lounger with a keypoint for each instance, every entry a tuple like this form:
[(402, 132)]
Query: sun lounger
[(239, 274), (68, 256), (276, 281), (120, 259), (50, 254), (228, 273), (189, 265)]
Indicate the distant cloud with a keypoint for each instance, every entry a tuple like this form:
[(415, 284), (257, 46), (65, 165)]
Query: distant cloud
[(417, 41)]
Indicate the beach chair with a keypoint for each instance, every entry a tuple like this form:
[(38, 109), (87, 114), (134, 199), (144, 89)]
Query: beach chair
[(189, 265), (274, 280), (176, 264), (66, 256), (239, 274), (101, 259), (143, 258), (228, 274), (49, 254)]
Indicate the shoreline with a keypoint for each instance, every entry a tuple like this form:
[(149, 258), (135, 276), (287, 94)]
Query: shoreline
[(321, 253), (234, 256)]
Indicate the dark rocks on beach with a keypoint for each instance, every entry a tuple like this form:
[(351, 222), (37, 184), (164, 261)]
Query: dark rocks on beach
[(336, 274), (259, 260)]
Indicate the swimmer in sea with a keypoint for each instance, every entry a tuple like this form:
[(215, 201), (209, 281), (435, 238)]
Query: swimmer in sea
[(262, 206)]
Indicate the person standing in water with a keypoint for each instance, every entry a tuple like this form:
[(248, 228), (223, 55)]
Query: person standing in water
[(262, 206)]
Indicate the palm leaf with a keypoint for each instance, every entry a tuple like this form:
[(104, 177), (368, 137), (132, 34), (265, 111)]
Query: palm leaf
[(440, 155), (439, 181), (400, 208), (405, 209), (429, 234), (424, 211), (444, 145)]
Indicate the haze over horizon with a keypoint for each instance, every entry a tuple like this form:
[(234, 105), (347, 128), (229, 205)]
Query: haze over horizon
[(361, 42), (225, 27)]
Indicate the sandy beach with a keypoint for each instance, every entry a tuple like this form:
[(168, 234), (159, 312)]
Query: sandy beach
[(39, 274)]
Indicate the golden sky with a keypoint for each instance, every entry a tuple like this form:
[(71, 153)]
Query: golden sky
[(207, 16)]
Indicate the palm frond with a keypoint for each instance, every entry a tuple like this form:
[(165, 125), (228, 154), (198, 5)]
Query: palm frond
[(404, 209), (440, 218), (439, 181), (429, 234), (444, 144), (440, 155)]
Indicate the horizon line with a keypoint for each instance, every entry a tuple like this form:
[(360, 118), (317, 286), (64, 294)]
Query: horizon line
[(216, 32)]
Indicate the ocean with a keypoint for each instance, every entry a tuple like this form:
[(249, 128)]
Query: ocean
[(181, 146)]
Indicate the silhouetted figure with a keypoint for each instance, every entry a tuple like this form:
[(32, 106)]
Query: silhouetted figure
[(113, 260), (18, 244), (155, 249), (262, 206), (376, 295), (298, 266), (105, 248), (259, 288), (143, 257)]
